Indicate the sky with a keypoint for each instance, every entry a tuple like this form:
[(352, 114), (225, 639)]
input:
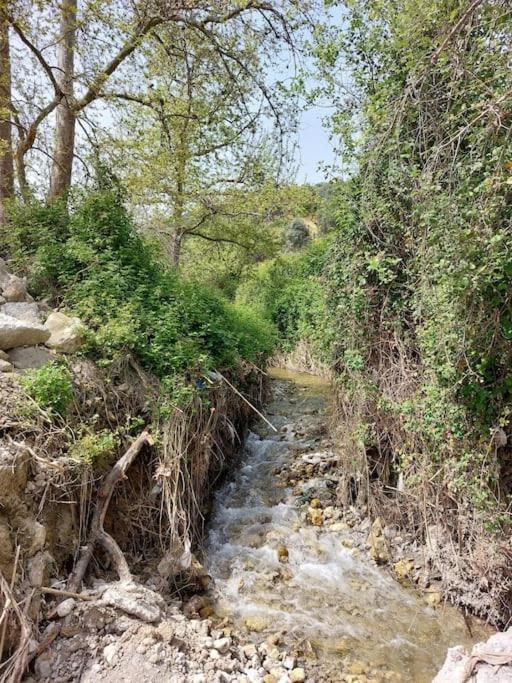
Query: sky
[(315, 148)]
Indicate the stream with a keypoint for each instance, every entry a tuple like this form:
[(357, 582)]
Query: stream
[(326, 598)]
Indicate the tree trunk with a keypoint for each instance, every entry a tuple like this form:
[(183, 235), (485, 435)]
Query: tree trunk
[(176, 242), (6, 165), (64, 141)]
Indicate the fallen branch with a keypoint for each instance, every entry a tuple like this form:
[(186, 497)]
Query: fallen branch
[(12, 670), (247, 401), (98, 533), (65, 594)]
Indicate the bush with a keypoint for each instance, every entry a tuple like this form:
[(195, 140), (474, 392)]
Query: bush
[(51, 386), (289, 292), (94, 448), (104, 272)]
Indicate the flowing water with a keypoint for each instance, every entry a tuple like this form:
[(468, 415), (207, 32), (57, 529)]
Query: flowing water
[(327, 595)]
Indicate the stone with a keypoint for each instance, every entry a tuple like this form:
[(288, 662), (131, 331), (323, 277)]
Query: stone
[(315, 516), (14, 332), (315, 503), (222, 645), (29, 357), (282, 553), (377, 543), (3, 355), (109, 653), (22, 310), (268, 678), (297, 675), (66, 333), (433, 598), (289, 662), (256, 624), (403, 569), (5, 366), (4, 274), (65, 607), (249, 650), (135, 599), (357, 667), (43, 666), (14, 289), (39, 569)]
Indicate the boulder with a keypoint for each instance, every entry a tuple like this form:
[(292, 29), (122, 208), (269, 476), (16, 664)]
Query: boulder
[(14, 289), (22, 310), (29, 357), (489, 662), (14, 332), (66, 332)]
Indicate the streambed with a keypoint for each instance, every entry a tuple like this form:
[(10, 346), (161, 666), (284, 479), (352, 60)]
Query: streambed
[(275, 573)]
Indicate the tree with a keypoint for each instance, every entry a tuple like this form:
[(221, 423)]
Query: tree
[(196, 142), (126, 29), (6, 164), (65, 113)]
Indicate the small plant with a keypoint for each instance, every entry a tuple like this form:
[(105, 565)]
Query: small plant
[(94, 448), (51, 386)]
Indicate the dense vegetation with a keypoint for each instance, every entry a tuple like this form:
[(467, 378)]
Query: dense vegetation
[(420, 273), (93, 263)]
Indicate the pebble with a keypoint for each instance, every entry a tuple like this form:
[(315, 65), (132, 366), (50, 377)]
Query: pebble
[(214, 654), (297, 675), (222, 645), (109, 653), (65, 607)]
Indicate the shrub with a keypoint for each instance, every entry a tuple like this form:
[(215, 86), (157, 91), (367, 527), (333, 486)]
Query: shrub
[(51, 386), (94, 448), (101, 269)]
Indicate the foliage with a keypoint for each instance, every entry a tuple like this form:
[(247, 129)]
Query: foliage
[(420, 274), (51, 386), (289, 292), (296, 235), (102, 270), (94, 448)]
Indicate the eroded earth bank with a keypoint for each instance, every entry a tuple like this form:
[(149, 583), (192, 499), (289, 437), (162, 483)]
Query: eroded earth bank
[(294, 590)]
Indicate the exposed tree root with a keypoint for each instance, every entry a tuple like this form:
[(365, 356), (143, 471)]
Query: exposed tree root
[(98, 534)]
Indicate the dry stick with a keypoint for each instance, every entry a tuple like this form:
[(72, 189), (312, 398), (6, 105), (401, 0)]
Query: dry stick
[(66, 594), (21, 656), (98, 534), (13, 579), (246, 400)]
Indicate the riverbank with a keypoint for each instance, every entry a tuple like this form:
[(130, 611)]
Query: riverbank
[(294, 592)]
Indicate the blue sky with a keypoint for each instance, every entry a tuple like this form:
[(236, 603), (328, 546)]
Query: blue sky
[(314, 145)]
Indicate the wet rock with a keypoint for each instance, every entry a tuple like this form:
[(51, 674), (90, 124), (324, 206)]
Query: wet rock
[(297, 675), (195, 605), (433, 598), (282, 553), (14, 332), (66, 333), (357, 667), (403, 569), (377, 543), (315, 516), (257, 624)]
